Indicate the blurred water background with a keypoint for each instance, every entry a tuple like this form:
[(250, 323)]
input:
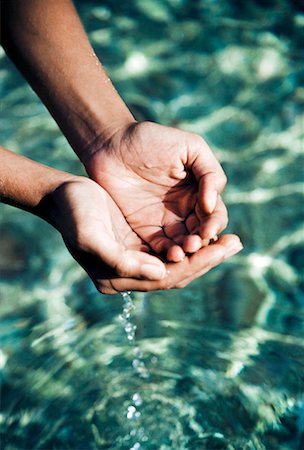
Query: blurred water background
[(219, 364)]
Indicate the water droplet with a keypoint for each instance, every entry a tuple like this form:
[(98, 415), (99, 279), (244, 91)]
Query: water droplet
[(136, 446), (139, 368), (138, 352), (131, 412), (129, 327), (136, 363), (137, 399)]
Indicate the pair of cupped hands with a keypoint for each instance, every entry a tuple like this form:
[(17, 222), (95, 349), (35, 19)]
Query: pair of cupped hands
[(151, 218)]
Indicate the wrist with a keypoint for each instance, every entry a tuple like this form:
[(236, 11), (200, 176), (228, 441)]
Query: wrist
[(100, 134), (26, 183), (53, 207), (94, 152)]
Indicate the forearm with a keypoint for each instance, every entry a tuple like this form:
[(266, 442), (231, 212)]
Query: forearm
[(29, 185), (47, 42)]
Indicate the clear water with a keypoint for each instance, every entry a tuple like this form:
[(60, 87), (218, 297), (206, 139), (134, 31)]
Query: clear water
[(224, 357)]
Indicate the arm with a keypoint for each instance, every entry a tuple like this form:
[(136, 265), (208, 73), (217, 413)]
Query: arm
[(46, 41), (166, 182), (91, 225), (26, 184), (94, 230)]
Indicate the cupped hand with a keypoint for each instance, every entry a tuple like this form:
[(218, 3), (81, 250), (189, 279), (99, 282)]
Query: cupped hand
[(116, 259), (167, 183)]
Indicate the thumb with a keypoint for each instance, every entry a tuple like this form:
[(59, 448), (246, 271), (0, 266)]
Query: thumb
[(211, 185), (140, 265), (210, 176), (128, 263)]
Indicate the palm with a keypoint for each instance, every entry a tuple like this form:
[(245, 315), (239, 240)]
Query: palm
[(147, 174), (98, 236), (116, 259)]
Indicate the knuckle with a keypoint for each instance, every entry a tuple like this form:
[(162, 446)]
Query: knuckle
[(159, 244), (223, 179), (197, 139), (217, 260), (164, 285), (105, 288), (122, 269)]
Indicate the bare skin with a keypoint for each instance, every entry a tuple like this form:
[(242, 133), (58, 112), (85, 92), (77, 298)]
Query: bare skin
[(166, 182), (114, 257), (95, 231)]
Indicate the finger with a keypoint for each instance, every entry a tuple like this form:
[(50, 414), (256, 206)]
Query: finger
[(115, 285), (192, 223), (205, 226), (213, 224), (182, 273), (215, 254), (193, 243), (178, 274), (137, 264), (160, 243), (211, 185), (175, 231), (179, 233), (126, 263), (208, 173), (232, 244)]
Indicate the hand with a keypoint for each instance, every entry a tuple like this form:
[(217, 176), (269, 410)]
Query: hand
[(166, 182), (99, 238)]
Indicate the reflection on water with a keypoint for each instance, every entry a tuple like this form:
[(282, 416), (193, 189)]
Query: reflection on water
[(225, 356)]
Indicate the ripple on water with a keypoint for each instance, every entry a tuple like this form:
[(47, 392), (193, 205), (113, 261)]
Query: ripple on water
[(218, 364)]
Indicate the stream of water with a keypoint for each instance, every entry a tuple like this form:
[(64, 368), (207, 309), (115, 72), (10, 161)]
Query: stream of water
[(219, 364)]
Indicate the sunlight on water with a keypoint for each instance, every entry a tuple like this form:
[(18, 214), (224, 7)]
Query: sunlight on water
[(220, 363)]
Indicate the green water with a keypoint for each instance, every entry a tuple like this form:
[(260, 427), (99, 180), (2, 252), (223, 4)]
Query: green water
[(224, 356)]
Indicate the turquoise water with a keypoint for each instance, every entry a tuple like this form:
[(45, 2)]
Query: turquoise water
[(219, 364)]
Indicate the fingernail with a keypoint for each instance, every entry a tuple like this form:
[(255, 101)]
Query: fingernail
[(153, 272), (233, 249), (212, 201)]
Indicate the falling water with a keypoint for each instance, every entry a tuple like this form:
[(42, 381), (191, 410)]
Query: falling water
[(134, 410)]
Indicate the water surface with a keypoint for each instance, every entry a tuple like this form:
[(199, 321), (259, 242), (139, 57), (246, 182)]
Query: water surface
[(224, 356)]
